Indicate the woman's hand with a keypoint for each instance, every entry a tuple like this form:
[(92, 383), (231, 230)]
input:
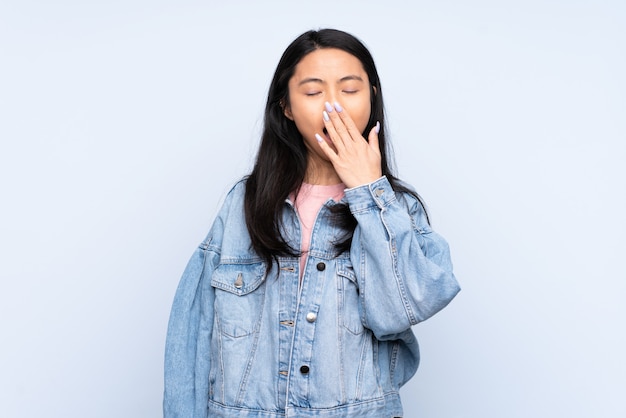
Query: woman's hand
[(355, 160)]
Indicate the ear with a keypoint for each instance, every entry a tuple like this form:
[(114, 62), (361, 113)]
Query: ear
[(286, 110), (374, 90)]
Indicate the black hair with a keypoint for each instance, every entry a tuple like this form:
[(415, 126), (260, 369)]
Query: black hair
[(281, 160)]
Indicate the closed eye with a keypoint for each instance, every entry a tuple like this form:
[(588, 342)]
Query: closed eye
[(313, 93)]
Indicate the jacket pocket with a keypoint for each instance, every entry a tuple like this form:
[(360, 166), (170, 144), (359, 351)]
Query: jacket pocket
[(348, 297), (239, 297)]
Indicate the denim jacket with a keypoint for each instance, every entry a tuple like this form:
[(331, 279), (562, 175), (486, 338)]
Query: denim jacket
[(247, 341)]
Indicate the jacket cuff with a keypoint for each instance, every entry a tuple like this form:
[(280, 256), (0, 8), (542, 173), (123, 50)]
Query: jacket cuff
[(378, 193)]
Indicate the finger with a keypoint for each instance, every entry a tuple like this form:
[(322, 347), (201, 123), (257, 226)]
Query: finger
[(330, 153), (373, 137), (338, 127), (335, 137), (348, 123)]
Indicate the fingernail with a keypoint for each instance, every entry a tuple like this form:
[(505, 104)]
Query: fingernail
[(326, 117), (377, 128), (329, 108), (319, 138), (338, 107)]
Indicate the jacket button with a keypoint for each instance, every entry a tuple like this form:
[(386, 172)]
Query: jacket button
[(239, 281), (321, 266), (311, 317), (304, 369)]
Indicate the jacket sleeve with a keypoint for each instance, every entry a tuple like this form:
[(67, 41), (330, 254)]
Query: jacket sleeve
[(187, 347), (402, 266), (187, 359)]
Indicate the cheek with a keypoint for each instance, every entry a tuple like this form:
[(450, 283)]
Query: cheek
[(305, 113), (361, 115), (308, 120)]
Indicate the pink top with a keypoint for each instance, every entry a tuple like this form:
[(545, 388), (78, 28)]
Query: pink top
[(308, 203)]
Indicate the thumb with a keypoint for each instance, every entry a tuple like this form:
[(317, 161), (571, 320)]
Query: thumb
[(372, 138)]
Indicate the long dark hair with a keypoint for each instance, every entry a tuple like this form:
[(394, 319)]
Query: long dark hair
[(281, 161)]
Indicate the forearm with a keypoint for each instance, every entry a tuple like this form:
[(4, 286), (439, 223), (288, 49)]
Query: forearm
[(403, 268)]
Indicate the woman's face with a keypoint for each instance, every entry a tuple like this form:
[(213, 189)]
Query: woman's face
[(327, 75)]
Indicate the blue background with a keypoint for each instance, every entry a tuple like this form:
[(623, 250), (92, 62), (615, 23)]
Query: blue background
[(123, 124)]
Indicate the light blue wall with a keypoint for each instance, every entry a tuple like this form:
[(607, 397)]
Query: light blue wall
[(123, 123)]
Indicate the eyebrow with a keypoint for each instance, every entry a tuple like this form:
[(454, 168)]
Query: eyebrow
[(319, 80)]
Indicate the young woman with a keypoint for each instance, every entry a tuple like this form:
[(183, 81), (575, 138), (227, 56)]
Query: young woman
[(300, 301)]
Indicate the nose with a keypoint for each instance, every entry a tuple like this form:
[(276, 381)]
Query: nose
[(332, 98)]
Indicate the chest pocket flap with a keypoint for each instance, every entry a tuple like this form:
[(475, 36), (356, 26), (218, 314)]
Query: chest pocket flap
[(238, 279), (239, 297)]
